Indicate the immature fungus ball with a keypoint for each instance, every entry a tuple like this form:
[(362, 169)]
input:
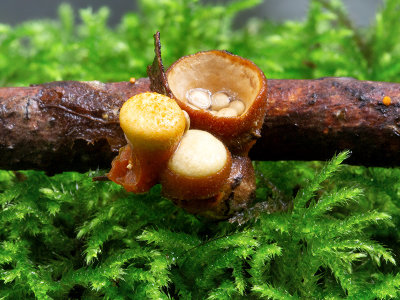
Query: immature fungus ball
[(198, 168)]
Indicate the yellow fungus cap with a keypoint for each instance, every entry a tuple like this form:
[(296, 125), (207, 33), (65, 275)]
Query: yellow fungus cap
[(152, 121)]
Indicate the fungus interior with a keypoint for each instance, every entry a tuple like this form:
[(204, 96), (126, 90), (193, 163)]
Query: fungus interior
[(215, 71)]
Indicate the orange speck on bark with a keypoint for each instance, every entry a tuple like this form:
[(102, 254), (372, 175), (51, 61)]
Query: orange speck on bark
[(387, 100)]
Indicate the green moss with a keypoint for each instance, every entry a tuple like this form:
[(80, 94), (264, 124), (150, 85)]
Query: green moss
[(68, 237)]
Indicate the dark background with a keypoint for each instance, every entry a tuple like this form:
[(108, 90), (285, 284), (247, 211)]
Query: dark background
[(16, 11)]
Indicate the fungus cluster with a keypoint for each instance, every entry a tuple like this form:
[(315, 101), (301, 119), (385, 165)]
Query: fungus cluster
[(204, 169)]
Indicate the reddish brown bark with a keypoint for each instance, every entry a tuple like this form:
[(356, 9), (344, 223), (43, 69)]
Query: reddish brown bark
[(314, 119), (62, 126)]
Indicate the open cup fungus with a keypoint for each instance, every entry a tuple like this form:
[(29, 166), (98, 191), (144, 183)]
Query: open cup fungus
[(235, 88)]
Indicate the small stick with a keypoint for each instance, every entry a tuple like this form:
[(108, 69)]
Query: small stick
[(64, 126)]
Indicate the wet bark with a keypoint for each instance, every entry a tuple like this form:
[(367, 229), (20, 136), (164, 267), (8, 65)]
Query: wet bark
[(63, 126), (314, 119)]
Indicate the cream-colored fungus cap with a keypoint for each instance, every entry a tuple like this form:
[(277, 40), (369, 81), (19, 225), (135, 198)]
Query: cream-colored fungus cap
[(152, 121), (199, 154)]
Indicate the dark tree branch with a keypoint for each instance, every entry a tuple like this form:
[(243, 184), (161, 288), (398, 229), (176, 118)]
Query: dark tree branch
[(62, 126), (314, 119)]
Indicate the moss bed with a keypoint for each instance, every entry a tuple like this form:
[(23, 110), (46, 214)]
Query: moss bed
[(66, 237)]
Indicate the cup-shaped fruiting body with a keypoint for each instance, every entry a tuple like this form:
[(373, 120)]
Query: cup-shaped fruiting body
[(197, 169), (153, 125), (238, 90)]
